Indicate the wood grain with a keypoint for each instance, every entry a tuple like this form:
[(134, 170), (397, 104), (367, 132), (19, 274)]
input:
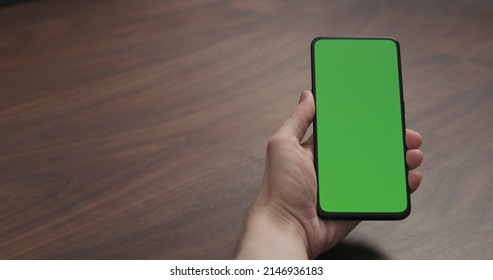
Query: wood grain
[(137, 130)]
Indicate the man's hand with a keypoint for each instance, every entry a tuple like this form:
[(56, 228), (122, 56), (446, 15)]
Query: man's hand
[(283, 222)]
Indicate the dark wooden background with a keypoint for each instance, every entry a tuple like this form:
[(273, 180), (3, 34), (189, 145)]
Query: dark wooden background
[(137, 129)]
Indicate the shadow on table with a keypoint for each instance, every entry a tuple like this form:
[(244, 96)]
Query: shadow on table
[(352, 251)]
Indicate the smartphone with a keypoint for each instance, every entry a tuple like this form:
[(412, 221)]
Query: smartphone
[(359, 129)]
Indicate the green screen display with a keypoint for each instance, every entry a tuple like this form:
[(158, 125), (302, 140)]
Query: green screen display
[(359, 128)]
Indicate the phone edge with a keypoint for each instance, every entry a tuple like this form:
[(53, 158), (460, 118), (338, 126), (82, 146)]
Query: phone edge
[(361, 215)]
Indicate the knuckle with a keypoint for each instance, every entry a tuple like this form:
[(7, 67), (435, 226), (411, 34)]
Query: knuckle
[(296, 115), (293, 114), (276, 141)]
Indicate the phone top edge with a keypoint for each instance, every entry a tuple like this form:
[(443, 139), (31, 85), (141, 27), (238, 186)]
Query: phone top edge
[(316, 39)]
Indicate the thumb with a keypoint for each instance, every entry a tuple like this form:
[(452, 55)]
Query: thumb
[(300, 119)]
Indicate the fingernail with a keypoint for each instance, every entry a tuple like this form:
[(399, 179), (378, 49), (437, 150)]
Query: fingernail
[(303, 96)]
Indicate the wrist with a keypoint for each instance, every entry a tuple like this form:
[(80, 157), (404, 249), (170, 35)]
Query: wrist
[(269, 234)]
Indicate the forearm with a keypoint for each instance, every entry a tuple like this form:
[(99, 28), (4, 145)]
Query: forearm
[(267, 236)]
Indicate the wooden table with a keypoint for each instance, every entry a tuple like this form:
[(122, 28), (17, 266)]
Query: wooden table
[(137, 129)]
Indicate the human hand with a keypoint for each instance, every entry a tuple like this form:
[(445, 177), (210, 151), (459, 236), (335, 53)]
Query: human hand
[(283, 222)]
